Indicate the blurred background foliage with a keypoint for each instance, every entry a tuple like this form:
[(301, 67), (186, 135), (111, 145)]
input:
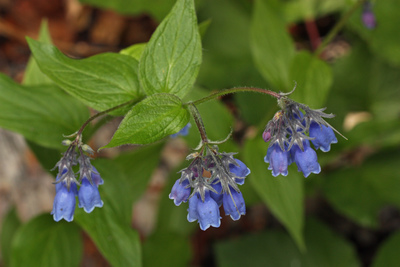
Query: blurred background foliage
[(346, 216)]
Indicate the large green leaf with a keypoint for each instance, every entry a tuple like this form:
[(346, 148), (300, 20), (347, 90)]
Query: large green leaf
[(300, 10), (11, 224), (43, 242), (101, 82), (360, 191), (313, 77), (33, 75), (150, 120), (172, 57), (271, 44), (42, 114), (283, 195), (388, 253), (275, 248)]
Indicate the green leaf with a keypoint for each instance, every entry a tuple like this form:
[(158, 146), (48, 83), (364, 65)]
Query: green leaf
[(203, 27), (150, 120), (271, 44), (300, 10), (381, 40), (134, 51), (283, 195), (41, 114), (388, 253), (33, 75), (275, 248), (313, 77), (101, 82), (359, 192), (11, 224), (172, 57), (43, 242)]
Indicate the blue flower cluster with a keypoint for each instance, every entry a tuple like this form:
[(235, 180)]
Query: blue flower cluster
[(290, 132), (67, 185), (209, 193)]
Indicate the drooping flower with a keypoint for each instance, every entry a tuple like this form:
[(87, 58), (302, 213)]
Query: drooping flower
[(183, 132), (323, 136), (306, 159), (64, 203), (234, 204), (89, 196), (180, 192), (278, 160)]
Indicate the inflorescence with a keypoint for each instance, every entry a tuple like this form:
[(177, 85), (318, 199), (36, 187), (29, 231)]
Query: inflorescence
[(67, 184), (290, 132)]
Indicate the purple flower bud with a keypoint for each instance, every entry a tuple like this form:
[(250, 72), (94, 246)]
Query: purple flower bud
[(184, 131), (64, 203), (89, 196), (96, 177), (368, 16), (180, 192), (278, 160), (324, 136), (306, 160), (234, 204), (240, 171), (267, 136)]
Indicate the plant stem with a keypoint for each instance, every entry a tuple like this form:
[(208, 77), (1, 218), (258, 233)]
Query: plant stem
[(199, 122), (234, 90), (105, 112), (338, 27)]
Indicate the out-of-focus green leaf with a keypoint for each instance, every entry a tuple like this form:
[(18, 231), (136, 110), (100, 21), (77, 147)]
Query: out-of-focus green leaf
[(283, 195), (150, 120), (172, 57), (271, 44), (300, 10), (383, 40), (203, 27), (313, 77), (42, 114), (360, 191), (101, 82), (388, 253), (134, 51), (125, 179), (44, 242), (275, 248), (11, 224), (33, 75), (157, 8)]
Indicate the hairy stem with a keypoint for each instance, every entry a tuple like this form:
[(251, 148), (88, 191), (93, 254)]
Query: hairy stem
[(199, 122)]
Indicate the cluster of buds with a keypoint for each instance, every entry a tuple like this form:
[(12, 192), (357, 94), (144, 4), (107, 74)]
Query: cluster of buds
[(67, 184), (211, 180), (290, 132)]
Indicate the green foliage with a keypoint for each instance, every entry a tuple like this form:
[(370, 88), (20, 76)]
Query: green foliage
[(11, 224), (283, 195), (172, 57), (152, 119), (101, 81), (58, 244), (134, 51), (34, 110), (388, 254), (275, 248)]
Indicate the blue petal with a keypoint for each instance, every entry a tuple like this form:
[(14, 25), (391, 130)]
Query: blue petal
[(179, 192), (278, 160), (89, 196), (323, 136), (208, 213), (306, 161), (215, 196), (192, 210), (64, 203), (229, 204), (240, 171), (96, 177), (184, 131)]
